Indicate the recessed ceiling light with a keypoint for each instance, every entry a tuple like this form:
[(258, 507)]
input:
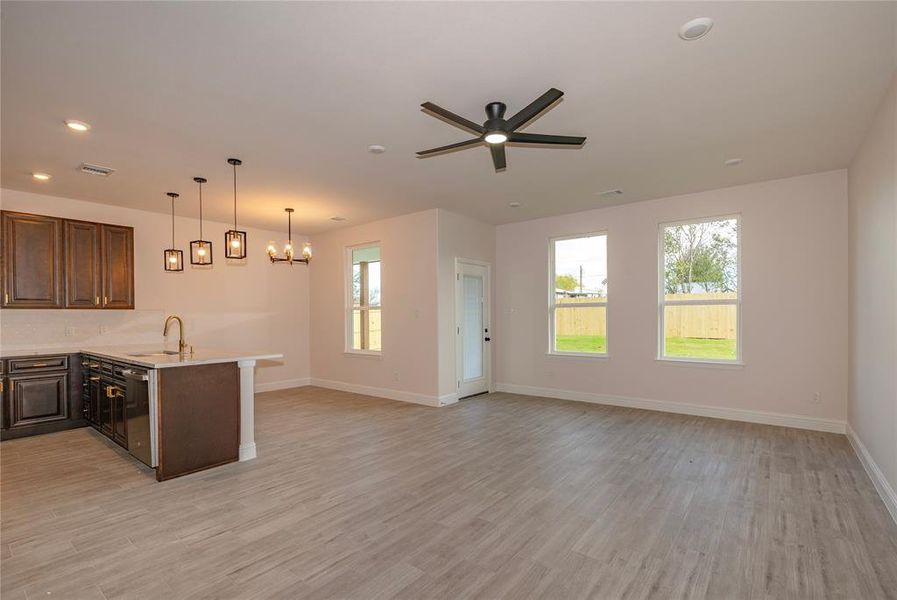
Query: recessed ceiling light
[(614, 192), (376, 149), (74, 125), (338, 219), (514, 204), (696, 29), (733, 162), (41, 176)]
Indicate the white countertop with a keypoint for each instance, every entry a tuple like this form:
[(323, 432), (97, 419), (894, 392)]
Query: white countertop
[(200, 356)]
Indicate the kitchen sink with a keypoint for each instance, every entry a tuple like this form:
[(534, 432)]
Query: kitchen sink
[(156, 353)]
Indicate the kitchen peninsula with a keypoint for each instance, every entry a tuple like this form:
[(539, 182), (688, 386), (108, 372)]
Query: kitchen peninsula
[(177, 412)]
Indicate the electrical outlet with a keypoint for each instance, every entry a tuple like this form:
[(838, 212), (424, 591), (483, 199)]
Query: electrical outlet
[(395, 376), (817, 398), (104, 329), (69, 331)]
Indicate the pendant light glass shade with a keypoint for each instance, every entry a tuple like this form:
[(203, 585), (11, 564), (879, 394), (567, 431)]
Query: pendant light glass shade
[(235, 240), (174, 258), (200, 250)]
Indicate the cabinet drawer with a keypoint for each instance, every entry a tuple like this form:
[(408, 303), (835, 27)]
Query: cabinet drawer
[(40, 363)]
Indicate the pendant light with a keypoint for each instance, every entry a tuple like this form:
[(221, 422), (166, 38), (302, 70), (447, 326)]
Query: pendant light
[(234, 240), (174, 258), (200, 250), (288, 251)]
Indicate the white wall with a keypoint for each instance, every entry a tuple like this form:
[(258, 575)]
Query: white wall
[(407, 367), (794, 282), (459, 237), (872, 191), (252, 306)]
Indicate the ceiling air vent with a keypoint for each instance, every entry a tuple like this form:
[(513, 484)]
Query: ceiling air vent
[(96, 170)]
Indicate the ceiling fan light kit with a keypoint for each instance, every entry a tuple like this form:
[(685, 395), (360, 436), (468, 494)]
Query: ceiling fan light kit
[(496, 131)]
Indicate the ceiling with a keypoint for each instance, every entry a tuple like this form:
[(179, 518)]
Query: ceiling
[(300, 90)]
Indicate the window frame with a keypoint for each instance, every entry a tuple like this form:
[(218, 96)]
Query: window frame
[(351, 307), (662, 302), (552, 299)]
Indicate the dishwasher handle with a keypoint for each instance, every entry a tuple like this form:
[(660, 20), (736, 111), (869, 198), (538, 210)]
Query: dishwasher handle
[(132, 374)]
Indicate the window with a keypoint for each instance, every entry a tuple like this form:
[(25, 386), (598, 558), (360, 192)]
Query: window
[(578, 295), (699, 296), (363, 327)]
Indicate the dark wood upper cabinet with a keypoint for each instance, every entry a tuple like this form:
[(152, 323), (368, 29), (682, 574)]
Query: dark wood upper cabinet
[(82, 265), (118, 266), (32, 261), (58, 263)]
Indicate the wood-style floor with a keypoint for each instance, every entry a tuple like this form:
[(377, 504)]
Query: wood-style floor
[(500, 496)]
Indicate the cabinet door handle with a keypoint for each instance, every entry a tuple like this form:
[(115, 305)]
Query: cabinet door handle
[(98, 301), (105, 300), (6, 297), (38, 365), (95, 378)]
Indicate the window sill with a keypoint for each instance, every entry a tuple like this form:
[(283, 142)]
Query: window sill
[(363, 354), (695, 362), (592, 356)]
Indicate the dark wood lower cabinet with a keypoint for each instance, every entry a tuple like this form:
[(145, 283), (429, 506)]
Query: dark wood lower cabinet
[(38, 399), (40, 395), (105, 408), (119, 416)]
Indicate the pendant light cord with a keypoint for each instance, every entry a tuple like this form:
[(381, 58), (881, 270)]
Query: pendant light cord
[(200, 210), (172, 222), (235, 196)]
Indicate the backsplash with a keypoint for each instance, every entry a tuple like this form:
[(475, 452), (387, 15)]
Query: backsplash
[(38, 329)]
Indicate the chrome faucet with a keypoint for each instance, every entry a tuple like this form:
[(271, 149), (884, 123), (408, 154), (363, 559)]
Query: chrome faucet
[(182, 345)]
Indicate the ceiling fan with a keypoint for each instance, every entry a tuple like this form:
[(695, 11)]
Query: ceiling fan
[(496, 130)]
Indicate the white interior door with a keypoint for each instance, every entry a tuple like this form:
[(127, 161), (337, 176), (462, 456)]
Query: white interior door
[(472, 327)]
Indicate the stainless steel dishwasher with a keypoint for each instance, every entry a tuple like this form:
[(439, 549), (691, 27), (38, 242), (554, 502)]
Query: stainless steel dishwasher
[(137, 410)]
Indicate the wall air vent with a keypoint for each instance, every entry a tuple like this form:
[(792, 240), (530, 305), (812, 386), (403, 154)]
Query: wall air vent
[(95, 170), (611, 193)]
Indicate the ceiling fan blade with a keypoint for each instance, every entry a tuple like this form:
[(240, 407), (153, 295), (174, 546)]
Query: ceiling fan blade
[(449, 148), (535, 107), (539, 138), (498, 156), (452, 118)]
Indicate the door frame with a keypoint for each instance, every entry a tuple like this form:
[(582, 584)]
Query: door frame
[(487, 322)]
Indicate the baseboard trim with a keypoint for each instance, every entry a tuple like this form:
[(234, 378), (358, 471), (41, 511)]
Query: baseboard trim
[(699, 410), (282, 385), (389, 394), (884, 489)]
